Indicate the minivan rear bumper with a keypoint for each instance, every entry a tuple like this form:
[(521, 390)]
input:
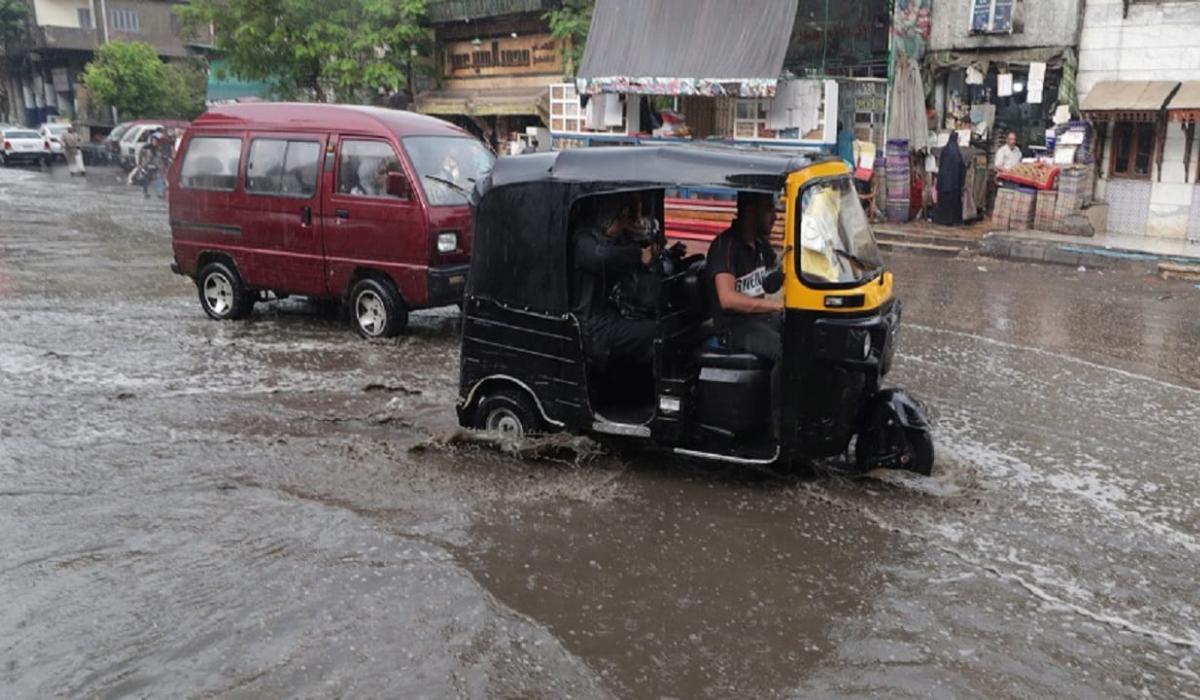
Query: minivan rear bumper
[(447, 284)]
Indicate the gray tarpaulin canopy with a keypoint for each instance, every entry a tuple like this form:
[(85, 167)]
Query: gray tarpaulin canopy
[(686, 47)]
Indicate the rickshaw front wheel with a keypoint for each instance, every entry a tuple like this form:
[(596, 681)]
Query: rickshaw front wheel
[(508, 412), (895, 448)]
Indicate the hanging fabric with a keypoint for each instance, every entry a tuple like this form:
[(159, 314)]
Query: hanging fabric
[(907, 119)]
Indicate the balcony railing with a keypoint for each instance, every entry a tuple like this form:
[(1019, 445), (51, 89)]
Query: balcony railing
[(70, 38)]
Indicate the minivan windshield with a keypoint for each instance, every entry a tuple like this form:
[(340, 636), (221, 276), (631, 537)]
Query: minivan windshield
[(448, 166), (834, 237)]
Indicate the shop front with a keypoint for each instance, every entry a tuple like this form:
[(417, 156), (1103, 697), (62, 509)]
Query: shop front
[(780, 77), (1140, 160), (495, 62)]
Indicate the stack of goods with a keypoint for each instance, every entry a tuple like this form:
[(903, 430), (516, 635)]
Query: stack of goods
[(899, 180), (1043, 217), (1021, 212), (1074, 185), (1073, 146), (1002, 210), (1036, 175)]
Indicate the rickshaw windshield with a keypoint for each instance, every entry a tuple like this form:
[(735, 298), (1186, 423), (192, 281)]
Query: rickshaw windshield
[(834, 237)]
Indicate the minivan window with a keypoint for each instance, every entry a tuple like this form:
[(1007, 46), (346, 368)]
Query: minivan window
[(211, 163), (282, 167), (364, 167), (448, 166)]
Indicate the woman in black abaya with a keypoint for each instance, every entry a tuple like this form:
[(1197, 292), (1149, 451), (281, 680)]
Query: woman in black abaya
[(952, 174)]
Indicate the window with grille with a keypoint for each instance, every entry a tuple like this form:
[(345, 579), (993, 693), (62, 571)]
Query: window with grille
[(85, 18), (992, 16), (125, 20)]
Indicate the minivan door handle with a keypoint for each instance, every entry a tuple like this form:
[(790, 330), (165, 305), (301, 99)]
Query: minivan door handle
[(306, 215), (342, 213)]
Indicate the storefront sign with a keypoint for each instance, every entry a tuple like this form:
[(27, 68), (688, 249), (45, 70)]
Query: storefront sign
[(524, 55)]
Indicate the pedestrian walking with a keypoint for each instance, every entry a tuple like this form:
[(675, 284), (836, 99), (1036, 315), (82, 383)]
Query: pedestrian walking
[(164, 152), (73, 151), (147, 166)]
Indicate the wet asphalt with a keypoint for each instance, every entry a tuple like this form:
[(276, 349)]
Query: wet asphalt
[(276, 508)]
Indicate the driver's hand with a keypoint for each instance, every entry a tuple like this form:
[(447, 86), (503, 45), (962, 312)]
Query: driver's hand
[(648, 254)]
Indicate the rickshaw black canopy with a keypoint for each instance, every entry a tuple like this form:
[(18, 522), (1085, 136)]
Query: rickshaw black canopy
[(523, 207)]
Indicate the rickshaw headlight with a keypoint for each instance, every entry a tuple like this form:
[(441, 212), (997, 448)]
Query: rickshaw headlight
[(447, 242), (669, 404)]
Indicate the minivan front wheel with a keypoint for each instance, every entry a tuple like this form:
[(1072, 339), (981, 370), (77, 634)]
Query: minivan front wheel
[(377, 310), (222, 293)]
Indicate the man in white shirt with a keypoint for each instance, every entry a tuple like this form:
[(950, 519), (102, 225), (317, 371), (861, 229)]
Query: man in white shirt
[(1008, 155)]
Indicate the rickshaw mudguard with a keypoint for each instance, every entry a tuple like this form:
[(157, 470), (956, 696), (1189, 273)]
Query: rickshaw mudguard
[(895, 407)]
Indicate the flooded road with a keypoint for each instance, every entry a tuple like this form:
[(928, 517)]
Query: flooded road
[(276, 508)]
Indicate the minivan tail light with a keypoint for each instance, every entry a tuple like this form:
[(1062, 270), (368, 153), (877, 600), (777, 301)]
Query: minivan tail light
[(447, 242), (45, 145)]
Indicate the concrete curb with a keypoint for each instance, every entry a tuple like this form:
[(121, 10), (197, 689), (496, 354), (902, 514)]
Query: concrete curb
[(998, 245)]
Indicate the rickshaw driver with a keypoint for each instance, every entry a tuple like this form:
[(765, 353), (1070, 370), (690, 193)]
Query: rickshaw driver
[(738, 261), (604, 254)]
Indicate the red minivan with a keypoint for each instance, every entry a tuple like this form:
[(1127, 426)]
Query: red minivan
[(360, 204)]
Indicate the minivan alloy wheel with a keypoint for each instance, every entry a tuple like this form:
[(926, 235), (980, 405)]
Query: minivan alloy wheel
[(369, 311), (377, 309), (222, 293), (219, 294)]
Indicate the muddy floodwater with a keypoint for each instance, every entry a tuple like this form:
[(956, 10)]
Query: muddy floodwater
[(276, 508)]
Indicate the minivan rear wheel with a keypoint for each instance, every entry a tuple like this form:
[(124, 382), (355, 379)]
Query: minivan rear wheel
[(376, 309), (222, 293)]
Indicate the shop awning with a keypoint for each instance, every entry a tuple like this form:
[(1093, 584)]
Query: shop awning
[(1128, 100), (534, 101), (686, 47), (1185, 105)]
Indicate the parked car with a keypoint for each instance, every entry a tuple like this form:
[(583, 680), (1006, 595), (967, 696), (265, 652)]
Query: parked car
[(363, 205), (54, 134), (128, 138), (22, 145)]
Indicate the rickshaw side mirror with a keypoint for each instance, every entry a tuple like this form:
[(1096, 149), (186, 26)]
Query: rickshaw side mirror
[(398, 186)]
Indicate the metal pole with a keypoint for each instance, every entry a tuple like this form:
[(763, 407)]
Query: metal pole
[(103, 41)]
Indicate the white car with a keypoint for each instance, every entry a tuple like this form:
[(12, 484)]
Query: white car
[(54, 133), (18, 144)]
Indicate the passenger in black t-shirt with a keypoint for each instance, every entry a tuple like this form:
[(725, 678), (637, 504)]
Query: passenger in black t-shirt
[(738, 261), (604, 254)]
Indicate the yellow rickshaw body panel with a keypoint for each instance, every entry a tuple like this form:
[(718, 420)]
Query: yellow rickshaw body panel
[(797, 295)]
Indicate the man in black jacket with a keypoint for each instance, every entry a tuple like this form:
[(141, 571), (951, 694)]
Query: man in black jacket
[(604, 254)]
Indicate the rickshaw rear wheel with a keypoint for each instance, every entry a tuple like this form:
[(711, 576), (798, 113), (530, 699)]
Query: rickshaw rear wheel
[(910, 449), (508, 412)]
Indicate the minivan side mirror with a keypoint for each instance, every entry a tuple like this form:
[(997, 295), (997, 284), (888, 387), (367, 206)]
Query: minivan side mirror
[(398, 186)]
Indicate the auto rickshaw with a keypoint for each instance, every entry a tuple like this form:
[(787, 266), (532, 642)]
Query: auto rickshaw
[(523, 365)]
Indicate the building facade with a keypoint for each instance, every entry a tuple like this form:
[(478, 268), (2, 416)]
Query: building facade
[(1009, 62), (43, 77), (494, 62), (1139, 83)]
